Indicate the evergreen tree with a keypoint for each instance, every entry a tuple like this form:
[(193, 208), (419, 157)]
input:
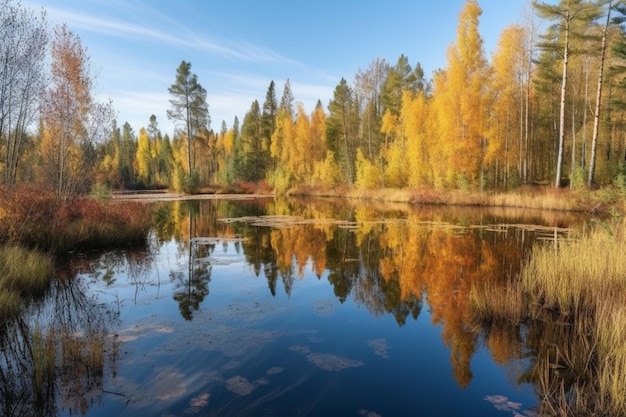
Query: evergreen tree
[(342, 127), (235, 163), (252, 147), (270, 107), (128, 148), (268, 123), (189, 106), (399, 78)]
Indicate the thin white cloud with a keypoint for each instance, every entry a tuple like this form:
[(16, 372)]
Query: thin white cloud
[(109, 26)]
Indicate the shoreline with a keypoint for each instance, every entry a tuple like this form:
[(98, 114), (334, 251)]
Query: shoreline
[(603, 201)]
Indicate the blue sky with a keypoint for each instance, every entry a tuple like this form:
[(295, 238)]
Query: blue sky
[(237, 47)]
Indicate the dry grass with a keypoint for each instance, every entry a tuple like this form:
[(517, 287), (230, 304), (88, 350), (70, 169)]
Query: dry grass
[(23, 274), (491, 302), (547, 199), (23, 271), (584, 281), (579, 272), (541, 198)]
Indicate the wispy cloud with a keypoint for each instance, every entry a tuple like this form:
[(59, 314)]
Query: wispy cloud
[(179, 37), (111, 27)]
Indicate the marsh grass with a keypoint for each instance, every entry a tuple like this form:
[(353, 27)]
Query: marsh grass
[(23, 274), (582, 283), (540, 198), (569, 301), (578, 274), (493, 302), (23, 271)]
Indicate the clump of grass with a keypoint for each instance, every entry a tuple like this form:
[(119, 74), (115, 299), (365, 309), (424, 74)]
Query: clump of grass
[(491, 302), (577, 273), (24, 271), (23, 274)]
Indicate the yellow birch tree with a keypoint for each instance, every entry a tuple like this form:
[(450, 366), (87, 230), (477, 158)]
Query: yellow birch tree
[(464, 101)]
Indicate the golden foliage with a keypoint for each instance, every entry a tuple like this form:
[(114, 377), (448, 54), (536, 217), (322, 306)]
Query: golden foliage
[(368, 175)]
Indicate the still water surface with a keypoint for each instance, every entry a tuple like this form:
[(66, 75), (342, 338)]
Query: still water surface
[(281, 308)]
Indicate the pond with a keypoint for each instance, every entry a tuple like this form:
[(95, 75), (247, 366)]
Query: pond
[(263, 307)]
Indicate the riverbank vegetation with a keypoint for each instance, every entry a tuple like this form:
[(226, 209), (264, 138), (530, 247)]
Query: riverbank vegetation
[(24, 274), (37, 229), (569, 301), (35, 219)]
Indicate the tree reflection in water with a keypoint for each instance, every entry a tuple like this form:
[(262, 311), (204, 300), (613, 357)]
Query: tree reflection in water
[(391, 262), (192, 288), (62, 348)]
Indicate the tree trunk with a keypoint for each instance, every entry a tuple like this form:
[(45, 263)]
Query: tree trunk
[(596, 114), (559, 162)]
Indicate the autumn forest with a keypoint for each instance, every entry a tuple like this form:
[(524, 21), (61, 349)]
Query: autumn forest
[(548, 107)]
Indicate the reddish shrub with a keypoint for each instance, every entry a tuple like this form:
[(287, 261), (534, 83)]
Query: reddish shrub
[(34, 218), (24, 210)]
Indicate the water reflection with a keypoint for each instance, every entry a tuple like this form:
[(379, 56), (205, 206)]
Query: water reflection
[(394, 261), (56, 354), (389, 261)]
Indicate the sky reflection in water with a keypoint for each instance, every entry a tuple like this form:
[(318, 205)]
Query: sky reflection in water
[(267, 334)]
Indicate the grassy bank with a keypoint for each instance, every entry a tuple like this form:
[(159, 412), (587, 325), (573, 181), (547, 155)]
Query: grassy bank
[(23, 274), (541, 198), (583, 282), (37, 229), (569, 301)]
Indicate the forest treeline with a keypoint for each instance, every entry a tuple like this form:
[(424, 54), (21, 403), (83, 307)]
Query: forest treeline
[(546, 108)]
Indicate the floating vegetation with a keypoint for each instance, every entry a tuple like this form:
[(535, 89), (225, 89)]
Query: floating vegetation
[(327, 361), (542, 232), (282, 221), (241, 386), (380, 347), (275, 370), (502, 403)]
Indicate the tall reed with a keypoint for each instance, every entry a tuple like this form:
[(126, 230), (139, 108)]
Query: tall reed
[(584, 281), (23, 274)]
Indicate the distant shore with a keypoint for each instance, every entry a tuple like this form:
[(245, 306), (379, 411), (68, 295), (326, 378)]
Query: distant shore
[(542, 198)]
